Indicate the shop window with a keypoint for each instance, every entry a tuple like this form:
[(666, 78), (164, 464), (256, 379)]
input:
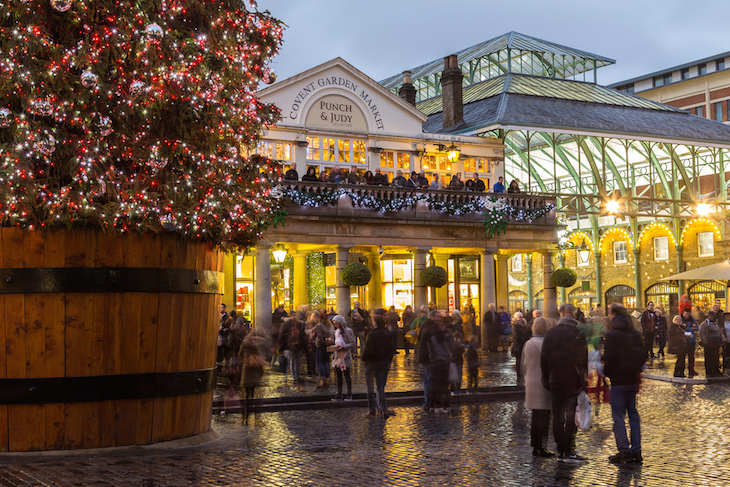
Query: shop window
[(313, 149), (397, 281), (517, 263), (661, 248), (706, 244), (620, 252), (386, 159), (403, 160)]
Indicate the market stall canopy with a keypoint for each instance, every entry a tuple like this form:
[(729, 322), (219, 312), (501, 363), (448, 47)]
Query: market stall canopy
[(716, 272)]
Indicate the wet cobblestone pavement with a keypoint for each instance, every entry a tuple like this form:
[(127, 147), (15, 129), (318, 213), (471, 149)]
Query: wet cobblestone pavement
[(685, 443)]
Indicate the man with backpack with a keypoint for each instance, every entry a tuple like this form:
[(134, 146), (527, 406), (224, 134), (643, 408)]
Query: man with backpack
[(624, 357)]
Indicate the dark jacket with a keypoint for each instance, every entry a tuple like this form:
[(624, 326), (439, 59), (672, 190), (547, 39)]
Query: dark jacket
[(472, 359), (648, 321), (378, 348), (428, 328), (291, 175), (438, 349), (624, 354), (491, 323), (399, 181), (564, 358)]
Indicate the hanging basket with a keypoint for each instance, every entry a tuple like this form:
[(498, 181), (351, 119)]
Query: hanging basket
[(563, 277), (356, 274)]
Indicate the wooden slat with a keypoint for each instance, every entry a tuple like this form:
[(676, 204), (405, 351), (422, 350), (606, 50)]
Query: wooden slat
[(75, 248), (93, 323), (3, 366), (54, 365)]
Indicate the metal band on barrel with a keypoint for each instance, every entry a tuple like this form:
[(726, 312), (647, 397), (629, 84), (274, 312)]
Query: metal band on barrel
[(50, 390), (109, 280)]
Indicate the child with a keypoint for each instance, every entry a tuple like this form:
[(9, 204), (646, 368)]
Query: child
[(456, 367), (472, 363)]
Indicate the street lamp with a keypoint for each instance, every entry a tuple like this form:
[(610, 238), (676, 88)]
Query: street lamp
[(279, 252), (583, 252), (453, 153), (612, 206)]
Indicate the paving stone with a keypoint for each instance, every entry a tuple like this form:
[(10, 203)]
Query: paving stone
[(685, 442)]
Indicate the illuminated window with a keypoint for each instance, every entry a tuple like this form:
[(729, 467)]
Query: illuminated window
[(313, 152), (343, 150), (661, 248), (265, 149), (313, 148), (517, 263), (470, 165), (443, 164), (359, 154), (706, 244), (476, 164), (429, 162), (328, 149), (620, 252), (283, 151), (386, 159), (404, 160)]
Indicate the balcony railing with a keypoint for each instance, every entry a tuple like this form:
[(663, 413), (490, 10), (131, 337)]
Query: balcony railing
[(395, 202)]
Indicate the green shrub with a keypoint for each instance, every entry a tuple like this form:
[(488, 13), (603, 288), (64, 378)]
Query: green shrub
[(563, 277), (434, 276), (356, 274)]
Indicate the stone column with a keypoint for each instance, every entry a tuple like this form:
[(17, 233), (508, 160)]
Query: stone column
[(637, 279), (342, 292), (442, 293), (530, 297), (487, 289), (599, 287), (375, 288), (550, 301), (420, 296), (502, 281), (262, 277), (301, 295)]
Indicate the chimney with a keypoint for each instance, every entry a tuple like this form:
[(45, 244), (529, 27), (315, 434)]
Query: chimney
[(451, 93), (407, 91)]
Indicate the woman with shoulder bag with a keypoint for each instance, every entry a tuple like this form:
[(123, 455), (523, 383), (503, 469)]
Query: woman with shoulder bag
[(711, 338), (678, 344), (342, 363)]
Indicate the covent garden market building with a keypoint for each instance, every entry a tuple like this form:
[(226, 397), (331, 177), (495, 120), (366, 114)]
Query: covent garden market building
[(621, 189)]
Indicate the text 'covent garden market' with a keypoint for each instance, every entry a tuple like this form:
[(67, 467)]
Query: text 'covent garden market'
[(621, 189)]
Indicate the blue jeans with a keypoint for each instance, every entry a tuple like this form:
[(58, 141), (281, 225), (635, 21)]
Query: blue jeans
[(428, 386), (623, 400), (376, 376), (322, 359)]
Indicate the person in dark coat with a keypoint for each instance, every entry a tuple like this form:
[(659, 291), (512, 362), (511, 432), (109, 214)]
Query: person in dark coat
[(427, 330), (520, 334), (623, 360), (439, 359), (311, 174), (292, 174), (254, 353), (491, 322), (377, 357), (648, 325), (564, 366)]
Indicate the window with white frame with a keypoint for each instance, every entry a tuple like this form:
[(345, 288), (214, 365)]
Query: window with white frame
[(620, 252), (661, 248), (275, 150), (517, 263), (706, 244), (329, 149)]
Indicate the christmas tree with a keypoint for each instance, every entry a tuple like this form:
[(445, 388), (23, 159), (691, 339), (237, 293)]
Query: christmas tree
[(136, 116)]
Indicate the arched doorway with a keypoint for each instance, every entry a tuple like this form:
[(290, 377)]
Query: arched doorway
[(665, 296), (621, 294), (704, 293), (517, 302), (582, 299)]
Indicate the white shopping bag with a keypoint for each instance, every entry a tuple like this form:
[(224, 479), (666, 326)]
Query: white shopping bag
[(583, 412)]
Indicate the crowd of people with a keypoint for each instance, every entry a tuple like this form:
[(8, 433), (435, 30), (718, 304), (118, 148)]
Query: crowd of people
[(557, 359), (417, 180)]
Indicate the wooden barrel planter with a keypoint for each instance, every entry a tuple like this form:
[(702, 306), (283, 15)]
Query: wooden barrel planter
[(108, 340)]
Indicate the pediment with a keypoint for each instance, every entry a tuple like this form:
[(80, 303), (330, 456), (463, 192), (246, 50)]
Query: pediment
[(335, 96)]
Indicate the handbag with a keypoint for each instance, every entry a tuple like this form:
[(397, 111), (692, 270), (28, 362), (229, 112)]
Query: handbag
[(454, 372), (279, 363), (583, 412)]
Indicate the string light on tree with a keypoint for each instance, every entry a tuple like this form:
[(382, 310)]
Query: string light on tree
[(92, 91)]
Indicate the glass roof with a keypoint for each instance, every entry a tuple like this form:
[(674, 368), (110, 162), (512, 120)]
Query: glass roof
[(509, 53)]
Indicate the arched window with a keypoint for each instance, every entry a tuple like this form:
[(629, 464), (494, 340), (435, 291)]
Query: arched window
[(517, 302)]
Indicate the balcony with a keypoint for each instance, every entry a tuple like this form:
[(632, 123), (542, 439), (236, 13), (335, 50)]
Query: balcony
[(394, 203)]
